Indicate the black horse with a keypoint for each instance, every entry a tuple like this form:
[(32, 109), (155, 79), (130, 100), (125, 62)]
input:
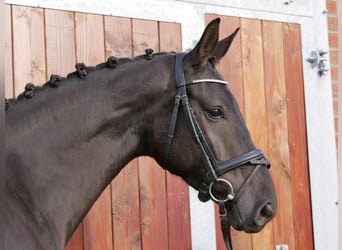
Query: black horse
[(66, 140)]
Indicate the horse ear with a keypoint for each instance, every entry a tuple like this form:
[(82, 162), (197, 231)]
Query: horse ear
[(206, 45), (223, 46)]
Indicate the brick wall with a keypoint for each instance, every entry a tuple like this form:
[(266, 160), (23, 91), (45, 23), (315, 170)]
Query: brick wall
[(334, 53)]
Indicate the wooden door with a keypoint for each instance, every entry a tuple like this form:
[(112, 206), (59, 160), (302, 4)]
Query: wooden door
[(264, 69)]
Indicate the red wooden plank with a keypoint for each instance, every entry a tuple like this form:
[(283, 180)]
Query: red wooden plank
[(230, 68), (8, 53), (28, 47), (126, 208), (125, 186), (255, 104), (279, 154), (297, 137), (178, 210), (152, 204), (97, 226), (118, 36), (151, 177), (60, 58), (76, 241), (145, 35), (60, 42), (178, 213)]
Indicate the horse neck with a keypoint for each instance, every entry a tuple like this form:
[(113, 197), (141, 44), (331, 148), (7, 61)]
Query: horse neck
[(77, 138)]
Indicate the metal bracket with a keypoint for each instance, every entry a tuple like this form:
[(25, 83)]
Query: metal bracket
[(282, 247), (288, 1), (317, 59)]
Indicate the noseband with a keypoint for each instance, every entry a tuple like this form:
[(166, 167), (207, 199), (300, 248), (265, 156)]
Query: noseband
[(214, 169)]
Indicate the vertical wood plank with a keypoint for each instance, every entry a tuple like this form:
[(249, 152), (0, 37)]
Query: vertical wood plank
[(253, 73), (118, 36), (60, 55), (60, 42), (151, 178), (230, 67), (97, 226), (8, 53), (125, 186), (89, 38), (255, 104), (145, 35), (278, 130), (297, 137), (126, 208), (60, 58), (170, 37), (28, 47), (76, 241), (178, 210), (152, 204)]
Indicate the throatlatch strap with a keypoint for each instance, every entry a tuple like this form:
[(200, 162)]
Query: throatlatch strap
[(225, 226)]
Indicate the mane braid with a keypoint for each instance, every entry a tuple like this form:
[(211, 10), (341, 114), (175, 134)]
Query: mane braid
[(81, 72)]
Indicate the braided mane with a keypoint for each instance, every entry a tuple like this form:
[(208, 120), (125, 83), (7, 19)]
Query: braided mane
[(81, 72)]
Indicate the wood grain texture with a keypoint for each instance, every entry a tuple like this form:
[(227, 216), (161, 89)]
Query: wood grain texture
[(178, 210), (60, 42), (89, 38), (97, 226), (255, 104), (279, 154), (125, 186), (152, 186), (126, 208), (60, 59), (9, 90), (76, 241), (118, 36), (297, 137), (145, 35), (28, 47), (153, 208)]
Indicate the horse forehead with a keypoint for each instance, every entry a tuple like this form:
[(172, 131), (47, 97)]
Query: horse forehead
[(210, 93)]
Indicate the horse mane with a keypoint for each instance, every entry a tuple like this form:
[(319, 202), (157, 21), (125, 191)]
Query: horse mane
[(81, 72)]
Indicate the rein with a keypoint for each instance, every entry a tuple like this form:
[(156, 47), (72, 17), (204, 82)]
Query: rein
[(254, 157)]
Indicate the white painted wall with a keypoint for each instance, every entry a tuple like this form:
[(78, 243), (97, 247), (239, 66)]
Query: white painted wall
[(318, 97)]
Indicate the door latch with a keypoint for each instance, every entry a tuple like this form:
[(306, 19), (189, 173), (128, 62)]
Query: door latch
[(318, 59)]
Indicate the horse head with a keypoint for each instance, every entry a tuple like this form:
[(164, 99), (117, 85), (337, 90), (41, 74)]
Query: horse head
[(205, 139)]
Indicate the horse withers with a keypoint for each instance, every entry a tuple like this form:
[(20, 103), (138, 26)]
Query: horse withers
[(65, 141)]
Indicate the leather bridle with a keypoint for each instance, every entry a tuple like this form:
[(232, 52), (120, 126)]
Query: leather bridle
[(214, 169)]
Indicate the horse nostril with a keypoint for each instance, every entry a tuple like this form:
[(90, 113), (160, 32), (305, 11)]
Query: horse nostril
[(265, 214)]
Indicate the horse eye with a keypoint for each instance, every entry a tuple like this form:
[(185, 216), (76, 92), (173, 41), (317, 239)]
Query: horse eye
[(215, 112)]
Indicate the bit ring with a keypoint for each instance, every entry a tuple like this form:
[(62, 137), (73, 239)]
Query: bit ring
[(230, 196)]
